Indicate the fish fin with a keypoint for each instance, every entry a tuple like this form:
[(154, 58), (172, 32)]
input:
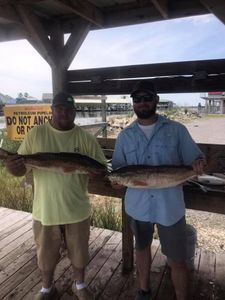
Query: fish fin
[(202, 187), (3, 153)]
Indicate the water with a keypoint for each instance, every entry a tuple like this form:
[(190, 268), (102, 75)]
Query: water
[(83, 118)]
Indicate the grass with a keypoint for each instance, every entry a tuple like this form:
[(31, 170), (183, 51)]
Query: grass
[(13, 193), (106, 213), (8, 144)]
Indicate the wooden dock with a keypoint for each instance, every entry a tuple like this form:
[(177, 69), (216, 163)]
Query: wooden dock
[(20, 278)]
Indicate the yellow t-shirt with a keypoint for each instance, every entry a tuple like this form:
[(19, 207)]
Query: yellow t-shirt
[(59, 198)]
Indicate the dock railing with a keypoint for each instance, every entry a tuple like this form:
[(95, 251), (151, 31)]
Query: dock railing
[(96, 128)]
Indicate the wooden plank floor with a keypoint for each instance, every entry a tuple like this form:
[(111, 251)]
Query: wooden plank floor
[(20, 278)]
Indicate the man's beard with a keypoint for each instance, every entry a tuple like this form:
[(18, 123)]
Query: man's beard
[(145, 114)]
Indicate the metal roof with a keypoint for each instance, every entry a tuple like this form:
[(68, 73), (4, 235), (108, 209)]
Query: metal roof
[(99, 13)]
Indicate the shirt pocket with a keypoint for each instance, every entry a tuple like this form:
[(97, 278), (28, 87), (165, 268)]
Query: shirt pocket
[(166, 151), (131, 155)]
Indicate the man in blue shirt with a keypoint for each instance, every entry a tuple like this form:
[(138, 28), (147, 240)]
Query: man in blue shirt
[(155, 140)]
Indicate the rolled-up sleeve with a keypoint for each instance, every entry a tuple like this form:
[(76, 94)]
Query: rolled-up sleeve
[(118, 159)]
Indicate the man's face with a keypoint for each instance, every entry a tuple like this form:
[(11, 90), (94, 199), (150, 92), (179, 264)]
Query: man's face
[(145, 104), (63, 117)]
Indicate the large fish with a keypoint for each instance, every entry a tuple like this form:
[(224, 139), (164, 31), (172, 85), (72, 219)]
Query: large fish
[(154, 177), (63, 162)]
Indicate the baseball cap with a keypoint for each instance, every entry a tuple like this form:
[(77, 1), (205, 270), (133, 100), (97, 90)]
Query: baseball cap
[(144, 86), (63, 98)]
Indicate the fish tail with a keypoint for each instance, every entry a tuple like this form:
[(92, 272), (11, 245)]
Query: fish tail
[(3, 153)]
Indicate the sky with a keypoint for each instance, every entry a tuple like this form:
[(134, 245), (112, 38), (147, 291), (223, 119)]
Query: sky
[(22, 69)]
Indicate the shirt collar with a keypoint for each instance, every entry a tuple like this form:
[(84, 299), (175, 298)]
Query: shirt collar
[(161, 120)]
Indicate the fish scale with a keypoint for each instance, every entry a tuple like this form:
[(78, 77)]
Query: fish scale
[(143, 176), (62, 162)]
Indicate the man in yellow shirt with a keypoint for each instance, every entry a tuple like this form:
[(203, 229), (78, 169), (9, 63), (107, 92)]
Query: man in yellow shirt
[(61, 206)]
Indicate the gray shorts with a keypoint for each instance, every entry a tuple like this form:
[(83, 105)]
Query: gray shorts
[(172, 238)]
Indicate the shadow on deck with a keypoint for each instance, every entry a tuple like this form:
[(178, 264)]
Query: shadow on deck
[(20, 278)]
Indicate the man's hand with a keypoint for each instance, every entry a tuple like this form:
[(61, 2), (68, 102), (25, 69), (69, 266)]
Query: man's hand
[(15, 165), (198, 166)]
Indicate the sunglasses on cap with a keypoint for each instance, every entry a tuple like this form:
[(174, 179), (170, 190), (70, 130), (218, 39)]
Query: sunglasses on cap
[(143, 98)]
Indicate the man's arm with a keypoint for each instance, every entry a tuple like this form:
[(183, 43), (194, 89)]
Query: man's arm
[(118, 160), (15, 165)]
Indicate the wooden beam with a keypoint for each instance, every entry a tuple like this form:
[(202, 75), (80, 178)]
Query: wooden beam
[(58, 69), (133, 15), (186, 8), (127, 243), (217, 7), (8, 13), (163, 85), (215, 157), (36, 34), (64, 54), (58, 79), (6, 2), (142, 13), (205, 201), (78, 34), (216, 66), (57, 40), (30, 1), (84, 9), (195, 198), (10, 33), (162, 7)]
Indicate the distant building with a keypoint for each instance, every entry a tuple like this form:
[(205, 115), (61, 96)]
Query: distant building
[(11, 101), (214, 102), (1, 109), (95, 102), (4, 98), (47, 97), (165, 104), (27, 100)]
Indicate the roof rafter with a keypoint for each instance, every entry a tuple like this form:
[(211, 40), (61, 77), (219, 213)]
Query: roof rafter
[(73, 44), (84, 9), (8, 13), (162, 7), (216, 7), (8, 2), (36, 34)]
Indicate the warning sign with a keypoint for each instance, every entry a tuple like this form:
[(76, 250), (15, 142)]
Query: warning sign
[(21, 118)]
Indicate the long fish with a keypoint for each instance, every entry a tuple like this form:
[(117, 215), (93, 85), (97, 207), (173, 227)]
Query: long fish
[(62, 162), (154, 177)]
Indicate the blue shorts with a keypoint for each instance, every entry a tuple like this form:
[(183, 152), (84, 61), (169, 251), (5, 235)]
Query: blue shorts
[(173, 238)]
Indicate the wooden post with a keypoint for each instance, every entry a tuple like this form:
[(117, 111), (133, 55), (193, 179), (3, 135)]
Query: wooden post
[(103, 106), (127, 244), (58, 79)]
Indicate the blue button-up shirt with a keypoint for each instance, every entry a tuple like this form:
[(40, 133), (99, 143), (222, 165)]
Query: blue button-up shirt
[(170, 144)]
